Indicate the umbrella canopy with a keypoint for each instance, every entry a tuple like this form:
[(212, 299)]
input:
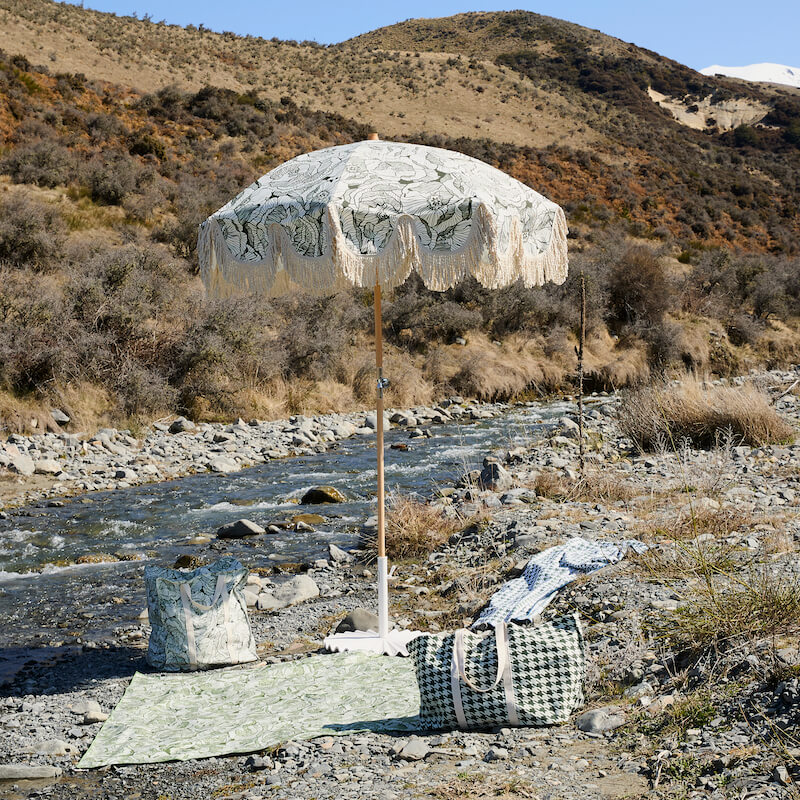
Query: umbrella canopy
[(367, 214), (371, 212)]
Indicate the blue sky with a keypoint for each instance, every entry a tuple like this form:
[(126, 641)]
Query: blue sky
[(697, 33)]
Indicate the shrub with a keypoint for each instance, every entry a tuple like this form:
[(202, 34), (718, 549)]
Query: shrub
[(639, 288), (31, 232), (112, 176), (45, 163)]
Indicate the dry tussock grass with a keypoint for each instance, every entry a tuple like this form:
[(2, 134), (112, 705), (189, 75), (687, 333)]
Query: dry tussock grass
[(489, 372), (414, 529), (659, 417), (596, 486)]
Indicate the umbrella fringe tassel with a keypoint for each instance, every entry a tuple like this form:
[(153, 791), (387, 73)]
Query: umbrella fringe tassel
[(283, 269)]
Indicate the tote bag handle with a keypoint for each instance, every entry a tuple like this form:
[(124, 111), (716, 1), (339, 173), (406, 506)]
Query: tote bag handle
[(221, 591), (458, 673)]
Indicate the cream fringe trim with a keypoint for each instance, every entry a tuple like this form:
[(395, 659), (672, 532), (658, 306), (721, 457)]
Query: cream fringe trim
[(284, 270)]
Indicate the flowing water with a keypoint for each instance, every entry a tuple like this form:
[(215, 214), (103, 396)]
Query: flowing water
[(40, 582)]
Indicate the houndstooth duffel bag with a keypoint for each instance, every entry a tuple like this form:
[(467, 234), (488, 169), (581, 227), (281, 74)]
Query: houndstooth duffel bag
[(514, 675)]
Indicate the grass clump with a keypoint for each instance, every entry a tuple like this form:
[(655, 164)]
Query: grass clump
[(656, 417), (761, 605), (596, 486), (414, 529)]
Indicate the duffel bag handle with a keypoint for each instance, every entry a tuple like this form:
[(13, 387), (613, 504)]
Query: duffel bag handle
[(458, 673)]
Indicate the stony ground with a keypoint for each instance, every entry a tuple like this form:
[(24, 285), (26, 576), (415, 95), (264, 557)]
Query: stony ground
[(696, 696)]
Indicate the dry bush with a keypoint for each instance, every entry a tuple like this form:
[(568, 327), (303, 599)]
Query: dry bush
[(414, 529), (31, 232), (663, 416)]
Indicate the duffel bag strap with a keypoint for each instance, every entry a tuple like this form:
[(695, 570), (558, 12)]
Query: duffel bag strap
[(220, 591), (458, 673)]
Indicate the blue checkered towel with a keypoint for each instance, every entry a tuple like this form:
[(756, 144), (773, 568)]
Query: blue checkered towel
[(524, 597)]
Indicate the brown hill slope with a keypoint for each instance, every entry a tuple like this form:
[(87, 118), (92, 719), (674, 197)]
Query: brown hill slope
[(99, 306)]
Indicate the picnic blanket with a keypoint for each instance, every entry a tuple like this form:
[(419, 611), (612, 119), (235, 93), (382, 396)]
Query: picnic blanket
[(525, 597), (176, 717)]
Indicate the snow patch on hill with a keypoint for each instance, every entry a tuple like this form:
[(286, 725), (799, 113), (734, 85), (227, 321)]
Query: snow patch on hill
[(766, 73)]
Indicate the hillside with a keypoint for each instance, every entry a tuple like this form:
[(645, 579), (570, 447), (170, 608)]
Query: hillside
[(118, 136)]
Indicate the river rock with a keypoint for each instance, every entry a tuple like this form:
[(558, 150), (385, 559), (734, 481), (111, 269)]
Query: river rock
[(599, 720), (181, 425), (359, 619), (83, 707), (239, 529), (371, 421), (47, 466), (338, 555), (413, 749), (59, 416), (22, 464), (308, 519), (494, 476), (93, 717), (223, 464), (322, 494), (267, 602), (28, 772), (296, 590), (53, 747)]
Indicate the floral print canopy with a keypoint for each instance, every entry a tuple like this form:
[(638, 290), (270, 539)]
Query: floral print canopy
[(373, 211)]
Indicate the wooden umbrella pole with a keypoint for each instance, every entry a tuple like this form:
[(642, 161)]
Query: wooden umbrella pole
[(383, 575)]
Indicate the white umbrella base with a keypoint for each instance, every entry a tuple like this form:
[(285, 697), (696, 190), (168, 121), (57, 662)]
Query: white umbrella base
[(393, 644)]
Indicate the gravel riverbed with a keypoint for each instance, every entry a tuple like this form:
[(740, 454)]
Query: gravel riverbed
[(670, 719)]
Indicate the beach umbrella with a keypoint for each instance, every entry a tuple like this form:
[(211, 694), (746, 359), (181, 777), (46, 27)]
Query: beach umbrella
[(367, 214)]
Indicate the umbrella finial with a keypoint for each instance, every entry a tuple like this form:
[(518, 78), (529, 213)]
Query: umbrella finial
[(373, 137)]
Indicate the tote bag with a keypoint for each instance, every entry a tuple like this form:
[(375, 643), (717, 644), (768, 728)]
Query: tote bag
[(198, 619)]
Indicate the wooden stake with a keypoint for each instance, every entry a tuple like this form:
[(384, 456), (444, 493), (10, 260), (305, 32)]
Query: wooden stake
[(581, 341)]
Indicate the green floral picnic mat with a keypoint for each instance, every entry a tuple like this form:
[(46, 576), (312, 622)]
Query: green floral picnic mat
[(201, 714)]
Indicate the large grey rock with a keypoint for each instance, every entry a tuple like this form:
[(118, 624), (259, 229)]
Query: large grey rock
[(371, 421), (296, 590), (599, 720), (322, 494), (413, 749), (240, 529), (359, 619), (223, 464), (268, 602), (53, 747), (22, 464), (28, 772), (494, 476), (47, 466), (59, 416), (338, 555), (181, 425)]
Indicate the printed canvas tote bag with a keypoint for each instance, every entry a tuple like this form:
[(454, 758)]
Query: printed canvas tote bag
[(198, 619), (512, 675)]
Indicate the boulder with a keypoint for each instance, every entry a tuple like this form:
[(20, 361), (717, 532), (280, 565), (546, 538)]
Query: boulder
[(494, 476), (338, 555), (322, 494), (359, 619), (22, 464), (296, 590), (308, 519), (371, 421), (223, 464), (59, 416), (47, 466), (181, 425), (239, 529), (266, 602)]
